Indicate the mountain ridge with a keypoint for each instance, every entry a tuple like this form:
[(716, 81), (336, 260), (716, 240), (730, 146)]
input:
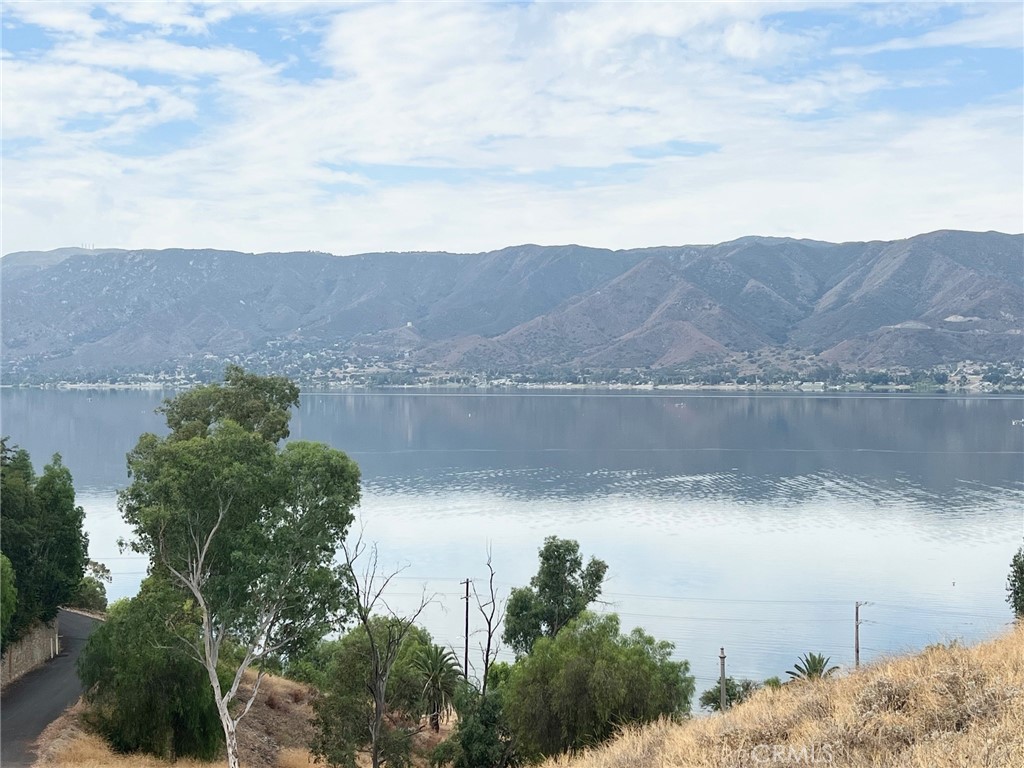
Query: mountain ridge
[(927, 300)]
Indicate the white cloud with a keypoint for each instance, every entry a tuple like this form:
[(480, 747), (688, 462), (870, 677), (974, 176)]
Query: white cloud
[(992, 25), (489, 96), (69, 19), (42, 101)]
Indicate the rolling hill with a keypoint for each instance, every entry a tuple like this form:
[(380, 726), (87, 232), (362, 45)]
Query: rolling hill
[(936, 298)]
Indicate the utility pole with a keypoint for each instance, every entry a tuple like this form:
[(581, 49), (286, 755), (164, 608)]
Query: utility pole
[(721, 681), (465, 661), (856, 633)]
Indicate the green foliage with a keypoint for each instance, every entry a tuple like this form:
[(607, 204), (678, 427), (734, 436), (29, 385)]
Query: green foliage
[(8, 594), (812, 666), (439, 670), (248, 529), (312, 666), (258, 404), (345, 709), (1015, 584), (145, 693), (773, 682), (575, 689), (736, 691), (481, 738), (41, 536), (91, 594), (559, 592), (272, 518)]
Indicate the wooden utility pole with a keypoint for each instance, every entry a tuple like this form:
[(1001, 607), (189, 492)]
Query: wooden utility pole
[(721, 681), (856, 634), (465, 660)]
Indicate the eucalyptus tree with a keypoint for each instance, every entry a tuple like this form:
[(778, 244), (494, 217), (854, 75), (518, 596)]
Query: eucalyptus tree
[(560, 591), (247, 528)]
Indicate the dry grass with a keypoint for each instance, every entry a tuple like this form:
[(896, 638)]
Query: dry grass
[(294, 757), (66, 743), (947, 707), (273, 735)]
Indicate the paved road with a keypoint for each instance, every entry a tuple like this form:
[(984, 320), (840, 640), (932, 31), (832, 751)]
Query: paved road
[(30, 704)]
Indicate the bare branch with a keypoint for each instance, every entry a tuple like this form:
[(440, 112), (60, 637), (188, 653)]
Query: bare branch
[(369, 585), (492, 610)]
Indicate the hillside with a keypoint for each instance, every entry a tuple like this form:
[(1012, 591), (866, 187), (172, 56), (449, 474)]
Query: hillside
[(946, 706), (932, 299), (275, 734)]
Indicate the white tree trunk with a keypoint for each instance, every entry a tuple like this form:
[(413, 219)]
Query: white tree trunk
[(232, 740)]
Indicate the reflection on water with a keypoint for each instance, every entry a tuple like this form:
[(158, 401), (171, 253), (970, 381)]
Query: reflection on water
[(753, 522)]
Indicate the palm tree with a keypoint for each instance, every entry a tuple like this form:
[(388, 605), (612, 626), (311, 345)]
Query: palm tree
[(440, 673), (812, 666)]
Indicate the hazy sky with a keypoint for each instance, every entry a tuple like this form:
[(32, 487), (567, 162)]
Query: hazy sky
[(358, 127)]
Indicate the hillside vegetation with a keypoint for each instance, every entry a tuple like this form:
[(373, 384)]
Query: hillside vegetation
[(275, 735), (946, 706), (928, 300)]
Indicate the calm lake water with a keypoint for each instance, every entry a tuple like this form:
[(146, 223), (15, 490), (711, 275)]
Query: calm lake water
[(749, 522)]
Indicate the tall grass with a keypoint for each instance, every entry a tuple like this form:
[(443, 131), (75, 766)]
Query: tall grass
[(946, 706)]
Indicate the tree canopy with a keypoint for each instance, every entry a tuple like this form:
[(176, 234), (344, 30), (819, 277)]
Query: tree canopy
[(559, 592), (8, 594), (248, 529), (41, 536), (258, 404), (575, 689)]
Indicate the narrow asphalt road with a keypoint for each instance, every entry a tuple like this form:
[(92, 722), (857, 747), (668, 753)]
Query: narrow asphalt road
[(30, 704)]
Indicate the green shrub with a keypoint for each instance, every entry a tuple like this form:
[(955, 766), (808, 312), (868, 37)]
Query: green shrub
[(145, 693)]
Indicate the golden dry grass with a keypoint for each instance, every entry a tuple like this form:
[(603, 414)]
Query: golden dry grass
[(294, 757), (947, 707), (273, 735), (66, 743)]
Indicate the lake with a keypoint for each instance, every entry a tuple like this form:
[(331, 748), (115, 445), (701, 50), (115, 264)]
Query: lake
[(753, 522)]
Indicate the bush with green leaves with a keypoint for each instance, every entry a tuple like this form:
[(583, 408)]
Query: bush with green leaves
[(736, 691), (575, 689), (144, 692), (344, 707), (481, 738)]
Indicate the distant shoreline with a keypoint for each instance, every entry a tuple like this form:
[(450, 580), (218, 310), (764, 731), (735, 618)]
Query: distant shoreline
[(526, 388)]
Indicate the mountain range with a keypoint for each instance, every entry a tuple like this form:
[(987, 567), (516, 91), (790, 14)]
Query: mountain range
[(927, 300)]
